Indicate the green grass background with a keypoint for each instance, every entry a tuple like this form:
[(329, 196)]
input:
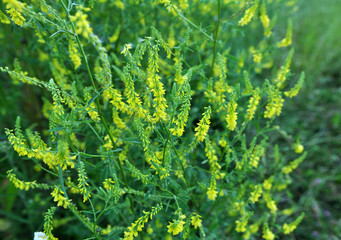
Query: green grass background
[(316, 114)]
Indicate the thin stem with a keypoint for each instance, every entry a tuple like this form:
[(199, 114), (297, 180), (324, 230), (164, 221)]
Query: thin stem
[(61, 180), (73, 207), (195, 26), (95, 88), (215, 40), (169, 138), (95, 218)]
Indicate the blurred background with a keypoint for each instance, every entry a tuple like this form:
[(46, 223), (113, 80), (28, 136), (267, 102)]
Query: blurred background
[(315, 113)]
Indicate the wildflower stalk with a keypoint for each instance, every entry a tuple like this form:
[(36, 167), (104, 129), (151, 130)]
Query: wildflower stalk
[(73, 208), (94, 86), (182, 167)]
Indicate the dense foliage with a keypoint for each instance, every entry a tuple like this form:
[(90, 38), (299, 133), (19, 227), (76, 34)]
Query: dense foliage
[(149, 118)]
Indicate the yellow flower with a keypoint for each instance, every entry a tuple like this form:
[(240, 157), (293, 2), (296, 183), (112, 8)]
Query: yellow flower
[(275, 103), (196, 221), (268, 183), (295, 90), (3, 18), (268, 235), (298, 148), (126, 48), (212, 193), (232, 112), (249, 13), (289, 228), (255, 195), (265, 20), (241, 225), (253, 103), (108, 184), (15, 8), (288, 38), (74, 54), (203, 126), (176, 227), (82, 24), (232, 116), (58, 197)]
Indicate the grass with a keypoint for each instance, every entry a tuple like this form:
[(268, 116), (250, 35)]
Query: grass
[(315, 113)]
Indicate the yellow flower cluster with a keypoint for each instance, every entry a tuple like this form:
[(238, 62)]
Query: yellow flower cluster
[(40, 151), (267, 184), (24, 185), (252, 229), (275, 103), (3, 18), (15, 9), (115, 98), (17, 143), (133, 99), (82, 24), (271, 204), (177, 226), (289, 228), (268, 235), (58, 197), (154, 82), (253, 103), (212, 190), (196, 220), (249, 13), (294, 91), (74, 54), (241, 225), (231, 117), (138, 225), (91, 107), (284, 71), (299, 148), (82, 183), (257, 153), (181, 120), (126, 49), (213, 159), (294, 164), (108, 184), (119, 4), (265, 20), (257, 192), (288, 37), (257, 56), (203, 126)]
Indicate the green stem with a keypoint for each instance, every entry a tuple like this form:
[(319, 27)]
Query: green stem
[(182, 166), (73, 208), (195, 26), (95, 219), (96, 133), (215, 40), (36, 162), (61, 180), (95, 88)]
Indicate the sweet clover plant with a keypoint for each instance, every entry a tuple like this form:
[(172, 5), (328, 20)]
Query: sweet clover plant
[(160, 117)]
